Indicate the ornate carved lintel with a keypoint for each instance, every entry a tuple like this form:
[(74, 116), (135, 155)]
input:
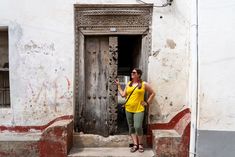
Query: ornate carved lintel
[(113, 20)]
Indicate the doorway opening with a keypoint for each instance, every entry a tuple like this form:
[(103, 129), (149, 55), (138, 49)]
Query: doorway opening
[(129, 48), (129, 53), (110, 40)]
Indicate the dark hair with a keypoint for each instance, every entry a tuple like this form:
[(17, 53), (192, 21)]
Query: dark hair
[(140, 80)]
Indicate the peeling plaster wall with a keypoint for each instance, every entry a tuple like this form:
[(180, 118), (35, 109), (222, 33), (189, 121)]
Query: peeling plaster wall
[(216, 54), (170, 60), (41, 56)]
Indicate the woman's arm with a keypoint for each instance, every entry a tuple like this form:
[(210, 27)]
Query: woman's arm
[(151, 93)]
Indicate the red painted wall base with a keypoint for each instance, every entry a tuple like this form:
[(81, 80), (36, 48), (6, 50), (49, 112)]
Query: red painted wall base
[(171, 146), (56, 140)]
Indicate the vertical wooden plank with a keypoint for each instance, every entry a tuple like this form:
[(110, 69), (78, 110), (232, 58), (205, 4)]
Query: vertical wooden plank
[(79, 81), (91, 72), (113, 61), (103, 84)]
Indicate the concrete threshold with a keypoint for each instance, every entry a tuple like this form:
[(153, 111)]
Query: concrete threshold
[(108, 152)]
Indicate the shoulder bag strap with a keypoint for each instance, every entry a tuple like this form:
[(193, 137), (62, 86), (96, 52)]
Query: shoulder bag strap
[(129, 96)]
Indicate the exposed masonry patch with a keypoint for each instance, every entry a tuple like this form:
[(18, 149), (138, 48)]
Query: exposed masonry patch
[(45, 104), (170, 43), (32, 47)]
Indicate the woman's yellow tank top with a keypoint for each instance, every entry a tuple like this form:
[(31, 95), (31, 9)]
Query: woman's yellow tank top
[(134, 102)]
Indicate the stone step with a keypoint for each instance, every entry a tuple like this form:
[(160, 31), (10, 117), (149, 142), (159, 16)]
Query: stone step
[(91, 140), (108, 152)]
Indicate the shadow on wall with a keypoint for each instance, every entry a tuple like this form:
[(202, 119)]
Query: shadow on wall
[(154, 112)]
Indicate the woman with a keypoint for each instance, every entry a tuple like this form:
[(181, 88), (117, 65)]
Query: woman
[(135, 105)]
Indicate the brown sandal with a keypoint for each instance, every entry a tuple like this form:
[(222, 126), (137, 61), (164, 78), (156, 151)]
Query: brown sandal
[(134, 148), (141, 148)]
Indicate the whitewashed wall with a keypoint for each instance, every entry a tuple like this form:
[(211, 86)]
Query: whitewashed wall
[(41, 35), (41, 54), (216, 110), (169, 62), (216, 55)]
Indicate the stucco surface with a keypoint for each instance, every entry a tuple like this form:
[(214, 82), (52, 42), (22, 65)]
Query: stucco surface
[(216, 66), (41, 56), (169, 62)]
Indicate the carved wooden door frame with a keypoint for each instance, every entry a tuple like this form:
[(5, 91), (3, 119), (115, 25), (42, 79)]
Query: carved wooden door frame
[(97, 19)]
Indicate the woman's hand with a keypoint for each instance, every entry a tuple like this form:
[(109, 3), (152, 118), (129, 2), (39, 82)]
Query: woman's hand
[(144, 103), (117, 82)]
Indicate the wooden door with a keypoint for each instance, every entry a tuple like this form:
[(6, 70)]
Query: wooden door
[(98, 111)]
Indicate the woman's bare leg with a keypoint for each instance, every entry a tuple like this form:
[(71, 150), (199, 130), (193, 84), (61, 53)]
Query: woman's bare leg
[(140, 144), (140, 139), (134, 139)]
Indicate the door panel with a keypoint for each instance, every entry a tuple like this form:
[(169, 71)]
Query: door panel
[(98, 116)]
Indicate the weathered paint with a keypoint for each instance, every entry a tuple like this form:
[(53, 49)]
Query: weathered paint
[(167, 143), (21, 129), (169, 62), (41, 55), (14, 149), (171, 139), (54, 139)]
